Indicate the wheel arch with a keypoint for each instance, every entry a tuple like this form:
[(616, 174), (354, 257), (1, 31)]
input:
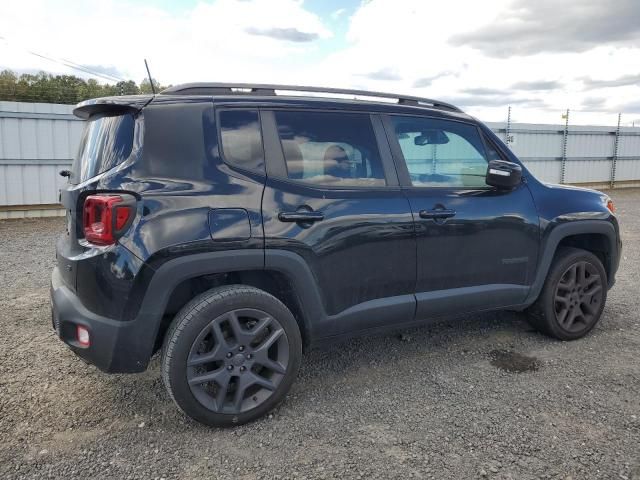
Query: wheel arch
[(283, 274), (596, 236)]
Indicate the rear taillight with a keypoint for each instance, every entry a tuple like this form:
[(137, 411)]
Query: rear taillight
[(104, 218)]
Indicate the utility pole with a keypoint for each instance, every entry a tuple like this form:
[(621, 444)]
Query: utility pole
[(508, 129), (614, 160), (565, 136)]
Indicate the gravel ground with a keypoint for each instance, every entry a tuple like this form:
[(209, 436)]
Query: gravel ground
[(482, 397)]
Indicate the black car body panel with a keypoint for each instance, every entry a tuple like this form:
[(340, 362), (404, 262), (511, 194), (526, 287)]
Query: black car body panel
[(366, 261)]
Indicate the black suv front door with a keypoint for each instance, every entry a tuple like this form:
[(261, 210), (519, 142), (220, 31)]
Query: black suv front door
[(332, 196), (477, 246)]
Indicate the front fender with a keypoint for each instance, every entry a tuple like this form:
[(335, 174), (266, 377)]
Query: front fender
[(553, 235)]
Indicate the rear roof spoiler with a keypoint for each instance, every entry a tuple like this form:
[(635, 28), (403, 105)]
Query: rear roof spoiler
[(111, 105)]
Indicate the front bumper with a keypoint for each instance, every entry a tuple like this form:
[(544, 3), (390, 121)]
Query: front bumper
[(115, 346)]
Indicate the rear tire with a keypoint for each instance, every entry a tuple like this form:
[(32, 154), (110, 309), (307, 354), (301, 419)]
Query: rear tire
[(231, 355), (573, 296)]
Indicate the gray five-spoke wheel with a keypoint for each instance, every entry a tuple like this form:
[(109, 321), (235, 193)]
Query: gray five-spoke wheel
[(578, 296), (237, 361)]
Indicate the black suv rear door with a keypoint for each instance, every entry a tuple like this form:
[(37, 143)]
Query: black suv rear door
[(477, 245), (332, 196)]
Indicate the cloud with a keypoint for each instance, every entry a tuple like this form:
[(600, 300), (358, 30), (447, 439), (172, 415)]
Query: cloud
[(594, 103), (260, 41), (387, 74), (427, 81), (622, 81), (287, 34), (338, 13), (537, 85), (423, 82), (374, 41), (482, 91), (528, 28), (603, 104), (28, 71), (630, 107), (250, 41), (493, 101)]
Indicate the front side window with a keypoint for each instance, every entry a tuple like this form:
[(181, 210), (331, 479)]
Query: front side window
[(242, 139), (330, 149), (441, 153)]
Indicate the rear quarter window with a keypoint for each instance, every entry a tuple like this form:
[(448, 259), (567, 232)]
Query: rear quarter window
[(242, 139), (107, 141)]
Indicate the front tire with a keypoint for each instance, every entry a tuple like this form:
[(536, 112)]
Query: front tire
[(231, 355), (573, 296)]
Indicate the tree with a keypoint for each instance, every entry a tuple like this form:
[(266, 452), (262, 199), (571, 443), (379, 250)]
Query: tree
[(47, 88), (8, 85), (145, 86), (127, 88)]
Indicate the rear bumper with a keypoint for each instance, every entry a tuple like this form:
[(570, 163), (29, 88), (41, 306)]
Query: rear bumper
[(115, 346)]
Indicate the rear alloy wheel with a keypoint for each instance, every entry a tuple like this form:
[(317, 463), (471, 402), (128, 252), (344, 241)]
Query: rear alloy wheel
[(237, 361), (231, 355), (573, 296)]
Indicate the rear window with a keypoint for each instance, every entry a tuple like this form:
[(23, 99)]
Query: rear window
[(106, 142)]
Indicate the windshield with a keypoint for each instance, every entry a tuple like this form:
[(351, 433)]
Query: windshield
[(106, 142)]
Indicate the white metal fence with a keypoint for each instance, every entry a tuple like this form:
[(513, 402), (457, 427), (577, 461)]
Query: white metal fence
[(603, 157), (37, 140)]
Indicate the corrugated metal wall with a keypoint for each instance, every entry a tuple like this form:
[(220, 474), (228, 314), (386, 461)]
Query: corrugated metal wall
[(587, 154), (37, 140)]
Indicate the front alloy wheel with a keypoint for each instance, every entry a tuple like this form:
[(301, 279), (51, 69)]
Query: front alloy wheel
[(573, 296), (578, 296)]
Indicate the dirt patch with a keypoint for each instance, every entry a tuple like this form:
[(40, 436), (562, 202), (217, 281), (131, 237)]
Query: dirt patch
[(513, 362)]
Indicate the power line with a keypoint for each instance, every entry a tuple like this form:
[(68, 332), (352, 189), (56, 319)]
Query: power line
[(105, 76), (70, 64)]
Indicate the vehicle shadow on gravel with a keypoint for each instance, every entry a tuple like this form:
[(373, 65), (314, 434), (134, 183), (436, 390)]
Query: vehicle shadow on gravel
[(474, 337), (471, 334)]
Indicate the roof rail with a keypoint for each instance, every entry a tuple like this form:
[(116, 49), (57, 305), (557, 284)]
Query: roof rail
[(206, 88)]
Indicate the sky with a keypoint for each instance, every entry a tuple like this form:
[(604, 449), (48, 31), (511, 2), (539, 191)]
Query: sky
[(540, 57)]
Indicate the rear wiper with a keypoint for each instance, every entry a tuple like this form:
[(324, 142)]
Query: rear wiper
[(65, 173)]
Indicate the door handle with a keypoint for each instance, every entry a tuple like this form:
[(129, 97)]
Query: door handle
[(437, 213), (301, 216)]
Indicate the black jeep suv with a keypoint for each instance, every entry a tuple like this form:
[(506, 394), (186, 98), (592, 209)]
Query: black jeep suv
[(233, 226)]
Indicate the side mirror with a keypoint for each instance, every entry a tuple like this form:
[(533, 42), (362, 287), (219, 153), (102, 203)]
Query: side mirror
[(501, 174)]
